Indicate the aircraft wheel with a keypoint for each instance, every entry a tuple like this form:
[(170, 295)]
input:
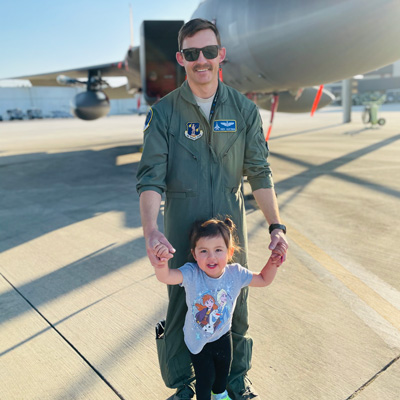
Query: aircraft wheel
[(381, 121), (366, 116)]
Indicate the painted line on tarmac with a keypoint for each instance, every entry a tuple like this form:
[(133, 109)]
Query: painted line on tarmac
[(363, 291), (371, 380), (74, 348)]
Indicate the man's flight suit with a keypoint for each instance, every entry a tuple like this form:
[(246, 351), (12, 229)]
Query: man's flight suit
[(199, 166)]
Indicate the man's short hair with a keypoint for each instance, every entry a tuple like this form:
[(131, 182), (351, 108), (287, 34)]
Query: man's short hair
[(195, 25)]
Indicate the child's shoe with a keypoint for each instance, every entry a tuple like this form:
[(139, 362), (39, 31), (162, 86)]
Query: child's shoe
[(220, 396)]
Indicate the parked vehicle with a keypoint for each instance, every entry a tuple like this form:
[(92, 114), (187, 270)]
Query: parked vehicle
[(34, 113), (15, 113), (393, 96)]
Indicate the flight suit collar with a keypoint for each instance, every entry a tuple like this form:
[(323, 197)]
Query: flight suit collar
[(187, 93)]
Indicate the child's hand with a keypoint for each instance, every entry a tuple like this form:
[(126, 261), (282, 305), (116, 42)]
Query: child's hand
[(277, 255), (162, 252), (275, 260)]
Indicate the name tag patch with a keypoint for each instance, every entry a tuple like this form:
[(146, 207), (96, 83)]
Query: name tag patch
[(193, 131), (225, 125)]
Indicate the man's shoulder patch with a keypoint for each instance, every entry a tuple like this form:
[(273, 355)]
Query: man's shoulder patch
[(148, 119)]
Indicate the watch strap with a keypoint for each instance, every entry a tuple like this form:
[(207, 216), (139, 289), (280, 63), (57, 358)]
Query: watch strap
[(277, 226)]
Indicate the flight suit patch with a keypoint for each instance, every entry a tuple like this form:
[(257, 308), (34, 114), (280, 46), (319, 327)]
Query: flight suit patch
[(193, 131), (224, 125)]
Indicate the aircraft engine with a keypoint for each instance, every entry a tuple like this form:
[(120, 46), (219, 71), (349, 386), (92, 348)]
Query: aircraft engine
[(90, 105)]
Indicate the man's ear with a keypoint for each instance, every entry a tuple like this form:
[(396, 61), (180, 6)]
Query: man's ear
[(222, 54), (179, 58)]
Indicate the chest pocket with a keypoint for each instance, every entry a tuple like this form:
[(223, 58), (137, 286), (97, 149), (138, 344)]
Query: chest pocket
[(183, 168), (232, 150)]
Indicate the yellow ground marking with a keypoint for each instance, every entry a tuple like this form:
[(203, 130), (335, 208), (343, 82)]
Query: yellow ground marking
[(364, 292), (128, 159)]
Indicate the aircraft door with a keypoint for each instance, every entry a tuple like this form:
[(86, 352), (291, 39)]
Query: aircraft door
[(160, 72)]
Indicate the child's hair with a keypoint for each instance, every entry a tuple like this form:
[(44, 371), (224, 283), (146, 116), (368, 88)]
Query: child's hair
[(212, 228)]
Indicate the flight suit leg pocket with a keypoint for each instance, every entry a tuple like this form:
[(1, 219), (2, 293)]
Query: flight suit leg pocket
[(175, 371), (242, 353), (162, 351)]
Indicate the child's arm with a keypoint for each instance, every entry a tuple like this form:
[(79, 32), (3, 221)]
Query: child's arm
[(169, 276), (164, 273), (267, 274)]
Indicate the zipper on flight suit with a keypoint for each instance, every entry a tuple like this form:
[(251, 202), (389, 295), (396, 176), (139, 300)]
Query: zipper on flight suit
[(210, 124), (210, 151), (210, 155)]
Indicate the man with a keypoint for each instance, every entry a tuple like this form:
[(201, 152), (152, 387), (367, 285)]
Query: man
[(198, 143)]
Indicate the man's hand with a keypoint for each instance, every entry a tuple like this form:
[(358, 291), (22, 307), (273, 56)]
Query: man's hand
[(279, 243), (159, 250), (278, 254), (266, 200)]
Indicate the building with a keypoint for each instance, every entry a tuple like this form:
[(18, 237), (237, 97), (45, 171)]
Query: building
[(372, 85)]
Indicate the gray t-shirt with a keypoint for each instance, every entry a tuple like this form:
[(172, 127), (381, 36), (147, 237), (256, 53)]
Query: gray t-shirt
[(211, 302), (205, 105)]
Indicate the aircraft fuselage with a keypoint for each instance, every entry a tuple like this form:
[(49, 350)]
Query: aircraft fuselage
[(289, 44)]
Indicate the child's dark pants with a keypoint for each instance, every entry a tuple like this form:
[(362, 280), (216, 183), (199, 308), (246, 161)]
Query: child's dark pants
[(211, 367)]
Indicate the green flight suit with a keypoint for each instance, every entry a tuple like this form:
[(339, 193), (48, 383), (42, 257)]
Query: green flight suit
[(199, 166)]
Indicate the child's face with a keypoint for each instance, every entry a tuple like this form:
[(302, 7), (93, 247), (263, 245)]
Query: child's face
[(212, 255)]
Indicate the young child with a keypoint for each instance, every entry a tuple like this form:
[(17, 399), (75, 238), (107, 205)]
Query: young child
[(212, 287)]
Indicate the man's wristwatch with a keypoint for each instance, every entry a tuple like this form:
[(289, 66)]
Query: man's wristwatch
[(277, 226)]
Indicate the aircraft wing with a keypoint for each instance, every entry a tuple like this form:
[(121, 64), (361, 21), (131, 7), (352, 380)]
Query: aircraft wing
[(120, 92), (50, 79), (94, 102), (129, 68)]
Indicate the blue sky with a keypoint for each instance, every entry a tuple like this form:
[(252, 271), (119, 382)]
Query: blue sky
[(51, 35)]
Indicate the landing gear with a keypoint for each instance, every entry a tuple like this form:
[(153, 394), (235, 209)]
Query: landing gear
[(274, 107)]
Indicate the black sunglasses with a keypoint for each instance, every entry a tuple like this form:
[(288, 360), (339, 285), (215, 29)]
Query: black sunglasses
[(192, 53)]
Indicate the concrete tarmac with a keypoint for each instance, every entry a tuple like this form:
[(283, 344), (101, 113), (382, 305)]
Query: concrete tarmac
[(79, 300)]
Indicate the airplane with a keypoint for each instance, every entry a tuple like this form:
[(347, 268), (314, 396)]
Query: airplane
[(278, 52)]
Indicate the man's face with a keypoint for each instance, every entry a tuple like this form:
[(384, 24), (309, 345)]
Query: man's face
[(202, 71)]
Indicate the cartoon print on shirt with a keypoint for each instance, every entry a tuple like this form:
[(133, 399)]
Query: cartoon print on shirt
[(213, 322), (223, 307), (211, 314), (208, 316)]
